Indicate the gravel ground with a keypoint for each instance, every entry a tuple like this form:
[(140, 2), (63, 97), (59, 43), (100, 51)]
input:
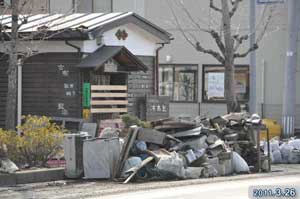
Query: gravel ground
[(88, 189)]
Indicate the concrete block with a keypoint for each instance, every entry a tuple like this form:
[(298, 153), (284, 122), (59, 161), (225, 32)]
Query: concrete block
[(40, 175)]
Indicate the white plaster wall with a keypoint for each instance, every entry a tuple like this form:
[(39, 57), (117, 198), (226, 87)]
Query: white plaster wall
[(89, 46), (139, 42)]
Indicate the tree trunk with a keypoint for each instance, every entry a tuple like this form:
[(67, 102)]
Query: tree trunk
[(11, 102), (230, 95)]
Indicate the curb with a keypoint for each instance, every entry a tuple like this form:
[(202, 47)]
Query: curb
[(32, 176)]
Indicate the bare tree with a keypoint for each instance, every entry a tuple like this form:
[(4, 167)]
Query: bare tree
[(227, 40), (11, 102)]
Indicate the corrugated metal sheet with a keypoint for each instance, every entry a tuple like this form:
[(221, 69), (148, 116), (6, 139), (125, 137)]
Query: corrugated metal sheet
[(56, 22)]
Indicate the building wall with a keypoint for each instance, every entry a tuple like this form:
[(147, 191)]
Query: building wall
[(140, 84), (80, 6), (30, 7), (270, 55)]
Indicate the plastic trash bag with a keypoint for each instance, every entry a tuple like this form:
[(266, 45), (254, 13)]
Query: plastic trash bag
[(7, 166), (193, 172), (274, 145), (285, 150), (294, 156), (276, 157), (295, 144), (239, 164), (172, 165), (130, 163)]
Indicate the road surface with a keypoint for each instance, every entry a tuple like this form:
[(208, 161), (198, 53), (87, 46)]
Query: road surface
[(222, 187), (222, 190)]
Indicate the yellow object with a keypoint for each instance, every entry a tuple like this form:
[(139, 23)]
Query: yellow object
[(86, 113), (274, 129)]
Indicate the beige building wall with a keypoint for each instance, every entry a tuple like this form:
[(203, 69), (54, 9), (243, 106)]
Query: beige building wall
[(270, 55)]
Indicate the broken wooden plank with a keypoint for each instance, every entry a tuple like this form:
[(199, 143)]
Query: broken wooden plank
[(134, 170), (132, 134)]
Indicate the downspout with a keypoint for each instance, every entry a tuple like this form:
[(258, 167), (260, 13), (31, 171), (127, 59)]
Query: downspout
[(156, 70), (19, 112)]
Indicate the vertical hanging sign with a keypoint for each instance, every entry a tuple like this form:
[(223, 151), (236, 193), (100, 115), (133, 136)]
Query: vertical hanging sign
[(86, 95)]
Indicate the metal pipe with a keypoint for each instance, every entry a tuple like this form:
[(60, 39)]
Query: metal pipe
[(252, 21), (263, 91), (156, 70), (73, 46), (19, 113)]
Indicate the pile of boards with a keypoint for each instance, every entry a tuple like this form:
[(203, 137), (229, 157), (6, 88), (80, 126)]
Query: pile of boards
[(201, 148)]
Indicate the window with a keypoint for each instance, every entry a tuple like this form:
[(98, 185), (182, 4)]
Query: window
[(213, 83), (179, 82)]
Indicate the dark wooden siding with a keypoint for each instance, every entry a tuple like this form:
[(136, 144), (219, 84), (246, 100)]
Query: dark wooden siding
[(3, 88), (140, 84), (51, 85)]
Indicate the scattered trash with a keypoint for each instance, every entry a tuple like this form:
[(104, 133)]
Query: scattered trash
[(7, 166), (284, 152), (239, 164), (181, 149)]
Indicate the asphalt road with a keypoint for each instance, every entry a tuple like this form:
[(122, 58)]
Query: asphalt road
[(222, 190)]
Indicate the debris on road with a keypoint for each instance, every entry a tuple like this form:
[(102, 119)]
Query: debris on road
[(7, 166), (284, 151), (180, 149)]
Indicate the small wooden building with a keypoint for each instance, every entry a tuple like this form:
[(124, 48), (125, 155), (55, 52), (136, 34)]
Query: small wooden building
[(115, 54)]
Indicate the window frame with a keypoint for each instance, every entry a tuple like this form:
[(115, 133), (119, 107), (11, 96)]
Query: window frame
[(196, 76), (204, 66)]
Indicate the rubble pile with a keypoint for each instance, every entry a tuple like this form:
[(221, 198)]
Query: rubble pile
[(179, 149)]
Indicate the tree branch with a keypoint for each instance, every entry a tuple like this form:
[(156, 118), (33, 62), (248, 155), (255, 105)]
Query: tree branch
[(197, 44), (211, 52), (192, 18), (218, 40), (241, 55), (239, 40), (212, 6), (235, 5)]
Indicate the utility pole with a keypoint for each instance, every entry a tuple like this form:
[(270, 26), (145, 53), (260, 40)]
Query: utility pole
[(289, 92), (252, 22)]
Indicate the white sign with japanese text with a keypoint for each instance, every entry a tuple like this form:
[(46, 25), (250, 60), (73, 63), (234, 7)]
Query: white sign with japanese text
[(215, 85)]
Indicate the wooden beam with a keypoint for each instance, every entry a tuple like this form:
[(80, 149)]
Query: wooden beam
[(108, 88), (109, 95), (109, 110), (109, 102)]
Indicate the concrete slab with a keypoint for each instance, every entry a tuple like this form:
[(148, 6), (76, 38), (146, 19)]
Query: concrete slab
[(32, 176)]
